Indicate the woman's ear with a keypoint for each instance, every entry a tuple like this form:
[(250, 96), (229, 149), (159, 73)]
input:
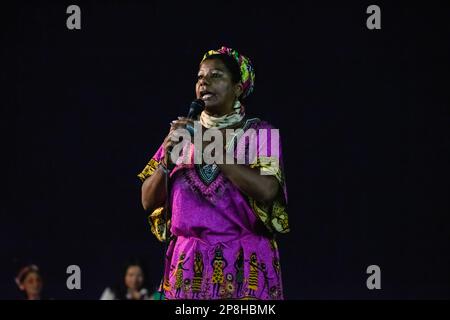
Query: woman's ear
[(238, 89)]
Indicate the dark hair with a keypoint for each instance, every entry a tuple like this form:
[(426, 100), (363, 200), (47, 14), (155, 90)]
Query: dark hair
[(230, 63), (23, 274), (25, 271), (120, 289)]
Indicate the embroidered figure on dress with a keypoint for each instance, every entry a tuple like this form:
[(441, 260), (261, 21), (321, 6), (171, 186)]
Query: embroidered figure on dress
[(218, 264), (239, 266), (253, 276), (179, 274), (198, 275)]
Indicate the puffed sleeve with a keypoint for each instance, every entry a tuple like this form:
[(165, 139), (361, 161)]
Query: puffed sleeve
[(268, 158)]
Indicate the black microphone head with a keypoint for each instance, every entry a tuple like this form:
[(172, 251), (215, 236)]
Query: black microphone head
[(196, 108)]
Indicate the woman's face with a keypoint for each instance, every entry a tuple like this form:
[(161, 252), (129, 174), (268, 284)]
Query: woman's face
[(216, 87), (32, 284), (134, 278)]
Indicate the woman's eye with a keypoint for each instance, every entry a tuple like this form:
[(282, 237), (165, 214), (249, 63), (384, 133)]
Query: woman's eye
[(216, 75)]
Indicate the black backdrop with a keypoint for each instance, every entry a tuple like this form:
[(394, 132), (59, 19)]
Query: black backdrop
[(363, 116)]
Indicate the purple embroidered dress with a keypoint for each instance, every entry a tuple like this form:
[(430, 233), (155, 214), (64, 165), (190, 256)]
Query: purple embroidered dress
[(222, 243)]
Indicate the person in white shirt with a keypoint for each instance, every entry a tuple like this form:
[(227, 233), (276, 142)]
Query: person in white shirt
[(132, 286)]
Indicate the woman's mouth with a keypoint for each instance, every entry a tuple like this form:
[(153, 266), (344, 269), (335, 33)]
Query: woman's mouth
[(206, 95)]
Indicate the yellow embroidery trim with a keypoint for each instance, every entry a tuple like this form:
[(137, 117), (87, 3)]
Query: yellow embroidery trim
[(149, 169), (156, 218), (274, 216), (158, 224)]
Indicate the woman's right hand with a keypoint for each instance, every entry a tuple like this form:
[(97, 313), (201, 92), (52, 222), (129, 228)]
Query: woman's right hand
[(168, 144)]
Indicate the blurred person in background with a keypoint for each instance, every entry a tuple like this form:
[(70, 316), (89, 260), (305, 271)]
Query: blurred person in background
[(132, 285), (29, 281)]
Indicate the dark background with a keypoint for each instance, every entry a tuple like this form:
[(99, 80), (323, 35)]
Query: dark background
[(364, 118)]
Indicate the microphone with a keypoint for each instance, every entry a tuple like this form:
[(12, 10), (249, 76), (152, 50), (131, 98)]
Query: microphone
[(196, 108)]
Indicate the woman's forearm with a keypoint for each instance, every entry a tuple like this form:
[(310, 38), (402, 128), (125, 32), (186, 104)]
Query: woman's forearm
[(153, 192), (262, 188)]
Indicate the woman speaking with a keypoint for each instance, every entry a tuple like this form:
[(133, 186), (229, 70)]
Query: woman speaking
[(223, 217)]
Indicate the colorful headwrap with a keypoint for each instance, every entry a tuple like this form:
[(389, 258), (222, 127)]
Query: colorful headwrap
[(245, 65)]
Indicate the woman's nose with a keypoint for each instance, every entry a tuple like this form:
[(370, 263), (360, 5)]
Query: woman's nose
[(204, 80)]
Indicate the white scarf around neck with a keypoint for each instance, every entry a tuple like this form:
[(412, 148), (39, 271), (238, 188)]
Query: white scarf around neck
[(224, 121)]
